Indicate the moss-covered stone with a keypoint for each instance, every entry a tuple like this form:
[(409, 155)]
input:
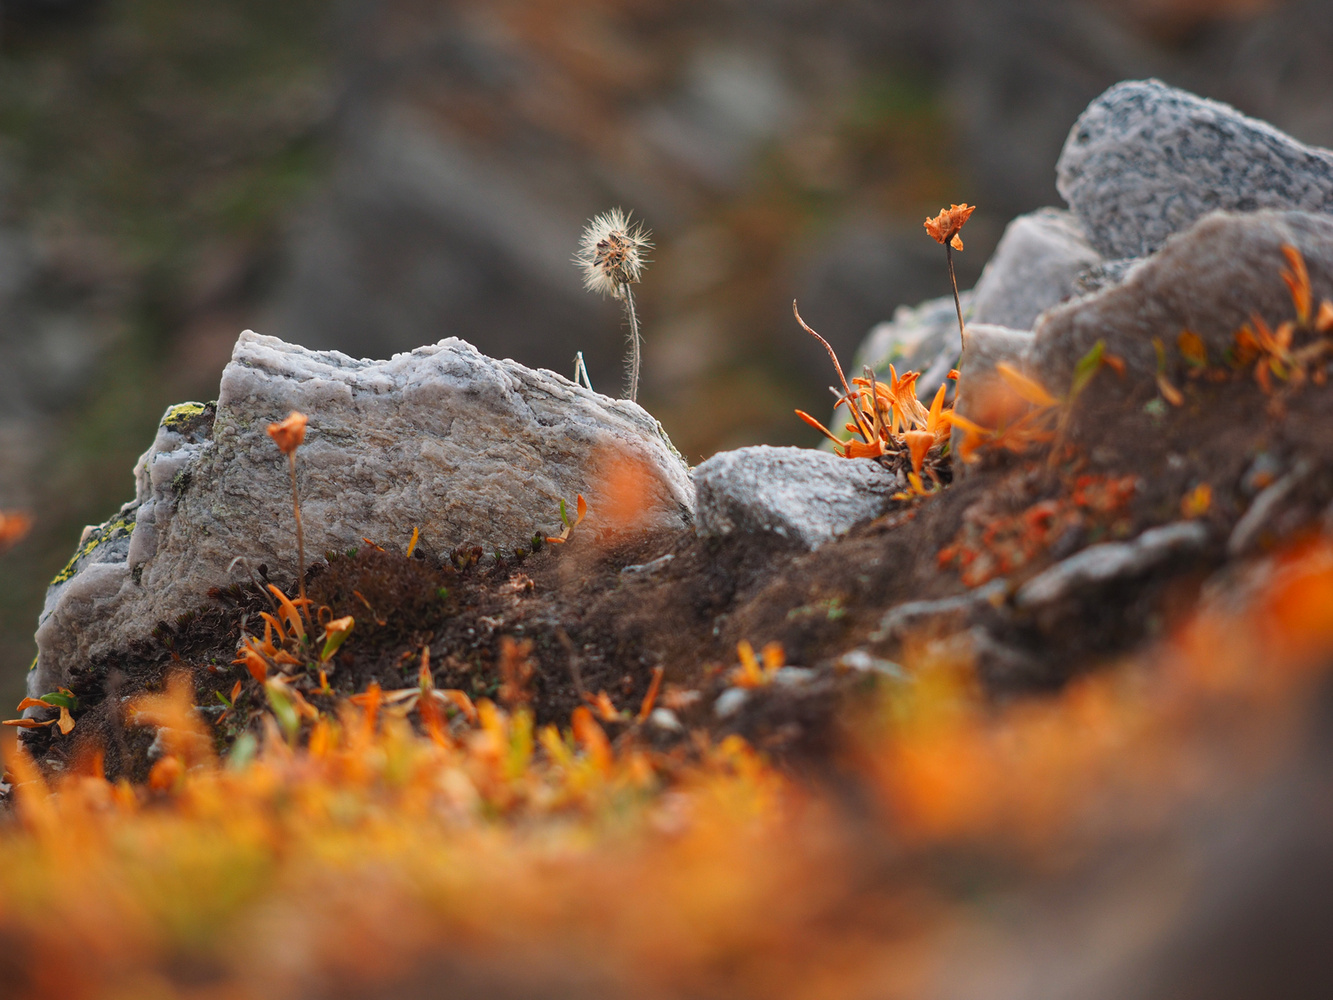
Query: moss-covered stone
[(189, 418), (117, 528)]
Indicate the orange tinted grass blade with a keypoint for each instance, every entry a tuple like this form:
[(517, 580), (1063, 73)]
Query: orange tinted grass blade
[(460, 701), (1324, 321), (646, 707), (289, 612), (1029, 389), (819, 427), (1297, 279), (271, 624)]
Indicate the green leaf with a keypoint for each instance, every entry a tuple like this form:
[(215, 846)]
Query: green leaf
[(331, 644), (223, 698), (242, 752), (564, 516), (283, 710), (1087, 367), (63, 698)]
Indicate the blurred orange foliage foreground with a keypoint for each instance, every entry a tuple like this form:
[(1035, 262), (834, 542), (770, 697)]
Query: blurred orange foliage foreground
[(503, 861)]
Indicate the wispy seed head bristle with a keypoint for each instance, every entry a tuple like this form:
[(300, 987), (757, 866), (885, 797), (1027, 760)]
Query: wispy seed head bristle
[(611, 253)]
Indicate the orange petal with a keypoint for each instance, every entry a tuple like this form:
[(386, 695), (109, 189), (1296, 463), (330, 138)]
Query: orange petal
[(919, 444)]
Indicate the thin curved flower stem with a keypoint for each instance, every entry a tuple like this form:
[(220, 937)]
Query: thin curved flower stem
[(300, 540), (957, 303), (848, 392), (635, 341)]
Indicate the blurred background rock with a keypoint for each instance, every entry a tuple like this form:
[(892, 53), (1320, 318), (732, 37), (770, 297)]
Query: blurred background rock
[(372, 175)]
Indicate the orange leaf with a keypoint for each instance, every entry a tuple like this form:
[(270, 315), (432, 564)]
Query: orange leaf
[(1197, 501), (1324, 321), (252, 662), (748, 674), (1029, 389), (648, 699), (819, 427), (289, 612), (860, 449), (461, 701), (1169, 392), (581, 506), (592, 737), (1192, 348), (1297, 279), (933, 422), (604, 706), (919, 444)]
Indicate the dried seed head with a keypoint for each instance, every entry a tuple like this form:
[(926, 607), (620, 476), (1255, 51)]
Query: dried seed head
[(611, 253)]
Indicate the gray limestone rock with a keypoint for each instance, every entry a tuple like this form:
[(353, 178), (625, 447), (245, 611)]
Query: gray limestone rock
[(920, 338), (1036, 265), (470, 450), (1098, 565), (1146, 160), (1210, 279), (801, 494), (982, 395)]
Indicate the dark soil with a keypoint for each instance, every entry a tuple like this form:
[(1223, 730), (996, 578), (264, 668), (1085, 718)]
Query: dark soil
[(601, 619)]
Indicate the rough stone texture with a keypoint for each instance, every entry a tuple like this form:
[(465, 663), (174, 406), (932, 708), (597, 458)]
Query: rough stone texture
[(982, 395), (1146, 160), (801, 494), (920, 338), (1036, 265), (1101, 564), (1209, 279), (470, 450)]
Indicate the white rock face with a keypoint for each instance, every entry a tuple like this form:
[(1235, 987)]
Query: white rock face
[(1146, 160), (810, 497), (467, 449), (1035, 266)]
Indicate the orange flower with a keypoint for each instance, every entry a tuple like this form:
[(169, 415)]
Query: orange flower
[(944, 227), (289, 434)]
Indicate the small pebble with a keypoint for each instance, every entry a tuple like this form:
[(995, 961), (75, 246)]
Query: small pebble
[(729, 702), (664, 718)]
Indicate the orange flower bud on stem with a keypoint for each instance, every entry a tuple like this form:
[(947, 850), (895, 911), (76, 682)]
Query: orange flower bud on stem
[(944, 229), (288, 436)]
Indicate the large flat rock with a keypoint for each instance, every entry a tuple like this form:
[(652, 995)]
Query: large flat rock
[(466, 449)]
